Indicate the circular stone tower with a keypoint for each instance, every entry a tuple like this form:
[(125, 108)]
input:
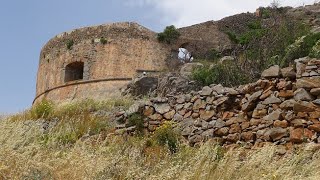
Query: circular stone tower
[(95, 62)]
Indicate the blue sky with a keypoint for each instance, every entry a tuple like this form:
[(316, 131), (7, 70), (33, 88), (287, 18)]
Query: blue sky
[(26, 25)]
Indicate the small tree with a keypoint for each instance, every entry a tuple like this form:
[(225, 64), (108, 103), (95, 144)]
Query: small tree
[(275, 4), (169, 34)]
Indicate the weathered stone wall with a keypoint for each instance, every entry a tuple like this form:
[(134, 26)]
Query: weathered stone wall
[(129, 48), (277, 108)]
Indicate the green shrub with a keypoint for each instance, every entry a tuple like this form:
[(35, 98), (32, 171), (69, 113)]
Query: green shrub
[(315, 51), (265, 13), (69, 44), (255, 32), (166, 136), (103, 40), (213, 54), (42, 109), (137, 121), (254, 25), (228, 74), (300, 48), (233, 37), (169, 35)]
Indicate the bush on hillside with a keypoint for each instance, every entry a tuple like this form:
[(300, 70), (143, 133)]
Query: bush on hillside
[(213, 54), (300, 48), (103, 40), (137, 121), (69, 44), (42, 109), (169, 35), (166, 136), (262, 43), (227, 74), (315, 51)]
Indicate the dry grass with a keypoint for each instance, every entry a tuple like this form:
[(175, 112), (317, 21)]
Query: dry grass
[(29, 152), (47, 110)]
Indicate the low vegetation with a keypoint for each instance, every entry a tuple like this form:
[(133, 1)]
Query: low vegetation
[(169, 35), (304, 46), (76, 141), (137, 121), (263, 41), (130, 158), (69, 44), (103, 40), (228, 74)]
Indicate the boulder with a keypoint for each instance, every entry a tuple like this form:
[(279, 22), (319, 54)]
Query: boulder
[(235, 128), (219, 124), (169, 115), (195, 139), (207, 115), (302, 95), (178, 118), (288, 104), (275, 115), (206, 91), (247, 136), (142, 86), (282, 124), (315, 127), (303, 106), (286, 94), (173, 83), (233, 137), (317, 102), (315, 91), (162, 108), (298, 123), (272, 72), (300, 66), (199, 104), (148, 111), (259, 113), (277, 133), (156, 117), (218, 89), (222, 131), (271, 100), (251, 102), (288, 72), (296, 135), (308, 83)]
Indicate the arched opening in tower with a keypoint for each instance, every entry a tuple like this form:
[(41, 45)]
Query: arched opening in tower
[(184, 55), (74, 71)]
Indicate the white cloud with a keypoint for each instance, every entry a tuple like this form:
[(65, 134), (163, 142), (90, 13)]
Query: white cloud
[(187, 12)]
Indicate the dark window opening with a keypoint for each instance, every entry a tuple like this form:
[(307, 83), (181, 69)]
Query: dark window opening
[(74, 71)]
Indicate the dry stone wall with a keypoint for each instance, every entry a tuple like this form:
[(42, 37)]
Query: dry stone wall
[(282, 107)]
